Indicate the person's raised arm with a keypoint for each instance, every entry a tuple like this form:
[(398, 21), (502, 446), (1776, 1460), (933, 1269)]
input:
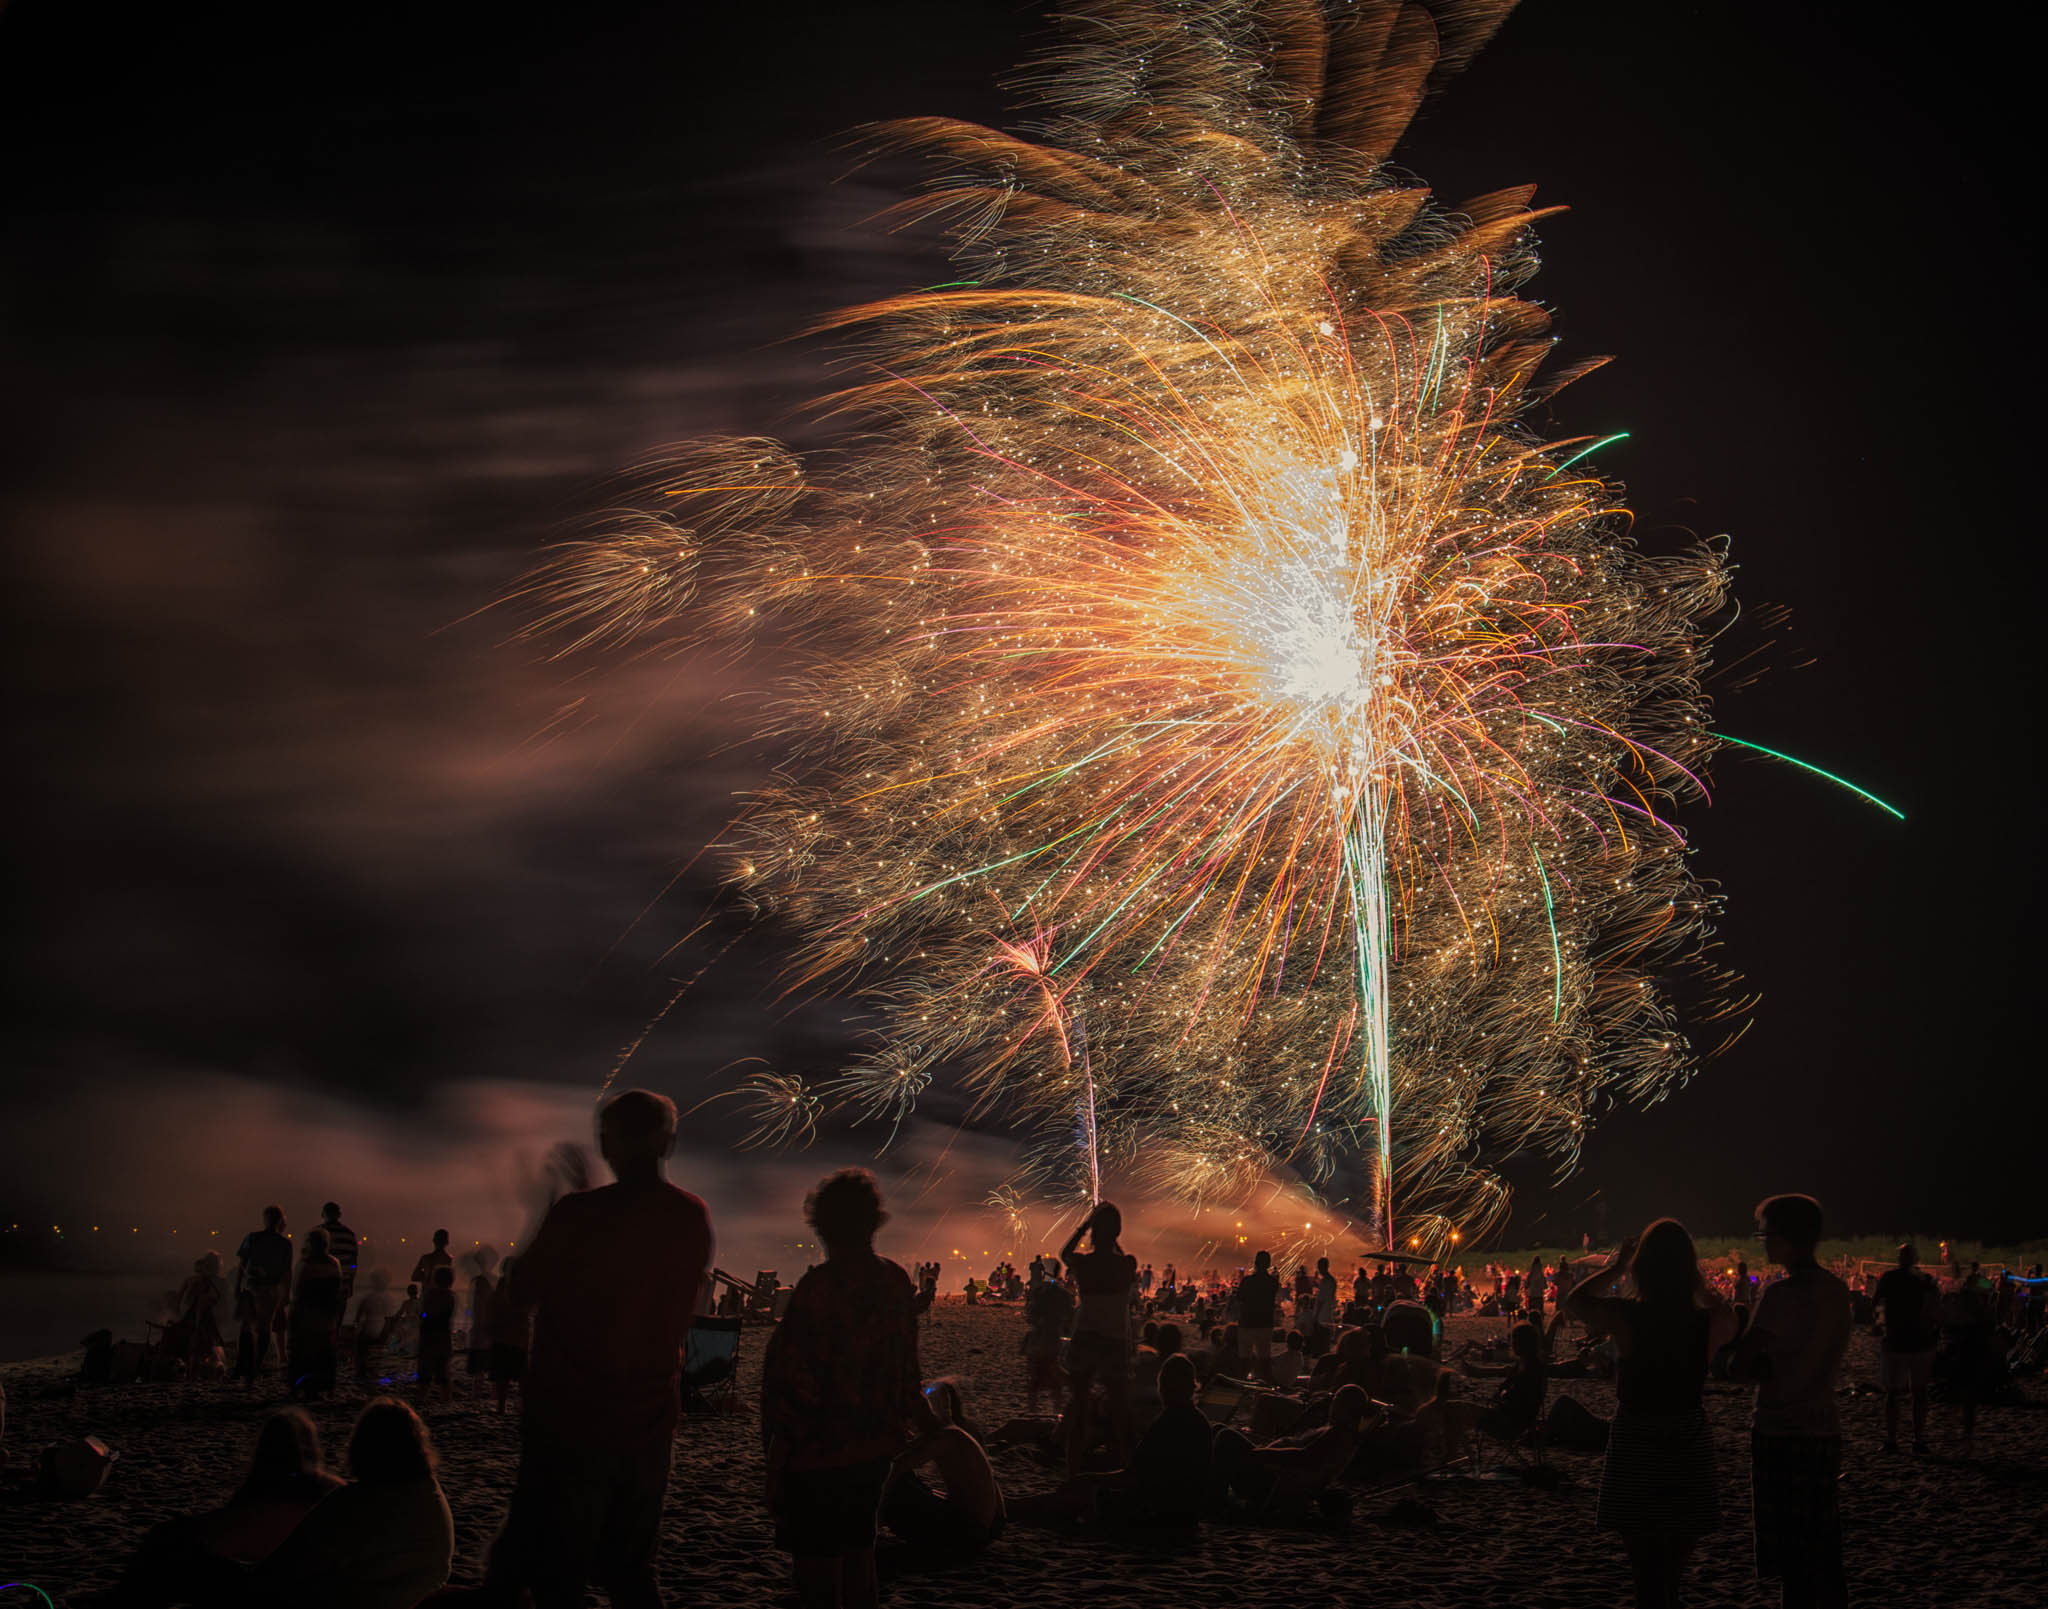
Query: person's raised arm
[(1074, 1240), (927, 1447), (923, 1421), (1752, 1357), (537, 1266), (1720, 1322), (707, 1286), (1593, 1301)]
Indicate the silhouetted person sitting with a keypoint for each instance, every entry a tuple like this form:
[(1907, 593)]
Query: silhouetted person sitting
[(384, 1541), (612, 1278), (1161, 1341), (1517, 1405), (1167, 1480), (941, 1529), (1283, 1479), (840, 1389), (1409, 1328), (201, 1557), (1350, 1363)]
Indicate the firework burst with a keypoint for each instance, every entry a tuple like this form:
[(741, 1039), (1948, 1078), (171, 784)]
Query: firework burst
[(1226, 738)]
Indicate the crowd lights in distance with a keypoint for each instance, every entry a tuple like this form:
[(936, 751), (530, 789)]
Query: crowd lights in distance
[(136, 1229)]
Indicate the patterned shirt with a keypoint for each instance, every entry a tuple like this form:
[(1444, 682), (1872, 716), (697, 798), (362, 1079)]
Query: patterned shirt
[(841, 1377), (341, 1245)]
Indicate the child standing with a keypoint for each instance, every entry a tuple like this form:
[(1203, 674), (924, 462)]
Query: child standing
[(511, 1326), (374, 1321), (404, 1334), (480, 1297)]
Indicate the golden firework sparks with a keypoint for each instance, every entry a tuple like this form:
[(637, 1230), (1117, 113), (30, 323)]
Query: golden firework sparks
[(1227, 736)]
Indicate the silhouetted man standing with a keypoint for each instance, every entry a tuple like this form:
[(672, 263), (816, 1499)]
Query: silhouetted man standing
[(613, 1278), (263, 1272), (439, 1257), (1912, 1326), (1793, 1351), (1258, 1302)]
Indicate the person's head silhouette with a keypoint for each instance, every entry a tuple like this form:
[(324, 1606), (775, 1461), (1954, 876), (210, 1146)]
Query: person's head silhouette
[(846, 1210), (635, 1131), (1790, 1228), (1348, 1406), (389, 1446), (1177, 1381)]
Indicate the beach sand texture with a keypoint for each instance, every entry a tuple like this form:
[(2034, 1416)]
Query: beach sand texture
[(1920, 1531)]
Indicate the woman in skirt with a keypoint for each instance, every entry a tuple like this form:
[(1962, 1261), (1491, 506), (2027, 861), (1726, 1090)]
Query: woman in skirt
[(1657, 1487), (315, 1325)]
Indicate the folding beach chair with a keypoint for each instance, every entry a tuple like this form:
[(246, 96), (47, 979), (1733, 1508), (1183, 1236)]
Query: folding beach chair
[(711, 1360), (1220, 1399), (1517, 1455), (165, 1349), (1495, 1456)]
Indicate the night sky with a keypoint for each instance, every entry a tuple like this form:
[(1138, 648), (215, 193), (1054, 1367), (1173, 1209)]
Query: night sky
[(313, 337)]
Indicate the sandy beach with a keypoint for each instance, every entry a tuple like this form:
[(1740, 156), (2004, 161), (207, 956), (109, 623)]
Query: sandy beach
[(1920, 1531)]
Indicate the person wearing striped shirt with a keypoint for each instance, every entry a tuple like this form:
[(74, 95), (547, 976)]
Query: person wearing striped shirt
[(342, 1247)]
